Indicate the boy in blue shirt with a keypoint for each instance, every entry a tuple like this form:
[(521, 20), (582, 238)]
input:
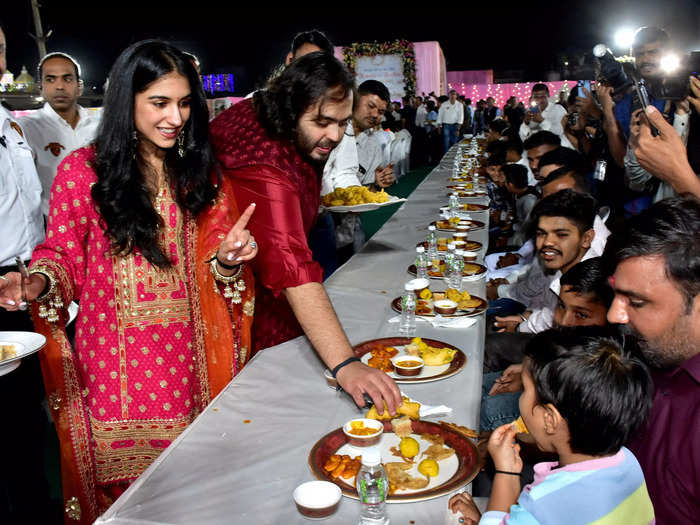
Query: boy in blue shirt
[(583, 396)]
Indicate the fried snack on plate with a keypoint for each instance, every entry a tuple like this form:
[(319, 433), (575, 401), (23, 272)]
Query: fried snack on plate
[(399, 479), (438, 452), (469, 303), (343, 466), (407, 408), (519, 425), (7, 352), (465, 431), (382, 363), (402, 426), (471, 269)]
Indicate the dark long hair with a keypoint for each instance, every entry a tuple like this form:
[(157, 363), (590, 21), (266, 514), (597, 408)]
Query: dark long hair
[(121, 195), (315, 77)]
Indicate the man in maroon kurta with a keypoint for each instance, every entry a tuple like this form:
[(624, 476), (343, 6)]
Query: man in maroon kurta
[(274, 147), (657, 295)]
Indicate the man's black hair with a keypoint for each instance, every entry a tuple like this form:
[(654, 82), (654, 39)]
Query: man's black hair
[(515, 144), (670, 229), (498, 158), (563, 156), (499, 125), (467, 101), (541, 138), (601, 389), (648, 34), (579, 208), (540, 87), (374, 87), (443, 98), (315, 37), (308, 80), (580, 182), (516, 174), (590, 277)]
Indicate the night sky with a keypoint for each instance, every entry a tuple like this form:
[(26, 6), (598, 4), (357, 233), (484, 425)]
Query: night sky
[(249, 43)]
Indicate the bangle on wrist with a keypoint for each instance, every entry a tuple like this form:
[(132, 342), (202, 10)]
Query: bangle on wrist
[(507, 472), (349, 360), (523, 317)]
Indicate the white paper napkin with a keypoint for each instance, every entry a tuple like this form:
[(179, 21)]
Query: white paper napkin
[(430, 411)]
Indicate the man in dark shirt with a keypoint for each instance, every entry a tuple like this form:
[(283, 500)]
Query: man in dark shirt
[(657, 297)]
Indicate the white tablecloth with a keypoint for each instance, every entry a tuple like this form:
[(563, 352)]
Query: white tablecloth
[(243, 456)]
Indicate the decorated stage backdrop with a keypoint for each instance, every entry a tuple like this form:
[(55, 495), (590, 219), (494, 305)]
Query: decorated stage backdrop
[(406, 68)]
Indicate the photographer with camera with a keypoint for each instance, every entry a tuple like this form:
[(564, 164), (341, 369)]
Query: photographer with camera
[(619, 116), (543, 116)]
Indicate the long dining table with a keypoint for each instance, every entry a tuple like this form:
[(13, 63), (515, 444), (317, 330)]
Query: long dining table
[(241, 459)]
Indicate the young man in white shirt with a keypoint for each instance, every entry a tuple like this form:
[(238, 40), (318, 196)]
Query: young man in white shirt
[(61, 125), (450, 118), (543, 116)]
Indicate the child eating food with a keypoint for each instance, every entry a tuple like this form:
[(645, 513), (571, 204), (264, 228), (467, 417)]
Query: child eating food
[(583, 397)]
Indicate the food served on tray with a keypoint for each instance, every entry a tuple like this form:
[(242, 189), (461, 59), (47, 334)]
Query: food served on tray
[(358, 428), (381, 358), (343, 466), (470, 246), (468, 270), (454, 223), (520, 426), (431, 355), (428, 303), (7, 351), (408, 408), (353, 195)]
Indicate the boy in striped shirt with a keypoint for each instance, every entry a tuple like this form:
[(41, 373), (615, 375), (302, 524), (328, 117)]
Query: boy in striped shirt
[(583, 397)]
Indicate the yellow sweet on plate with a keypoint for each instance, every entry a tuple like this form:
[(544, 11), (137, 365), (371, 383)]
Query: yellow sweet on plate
[(429, 468), (409, 447), (426, 293)]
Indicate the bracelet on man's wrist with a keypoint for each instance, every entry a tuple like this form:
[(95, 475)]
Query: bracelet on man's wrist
[(349, 360), (507, 472)]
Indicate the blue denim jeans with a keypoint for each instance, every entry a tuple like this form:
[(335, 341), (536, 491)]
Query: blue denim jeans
[(499, 409), (449, 135)]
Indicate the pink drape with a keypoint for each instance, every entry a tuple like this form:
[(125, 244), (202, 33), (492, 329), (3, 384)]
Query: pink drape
[(502, 92), (430, 68), (484, 76)]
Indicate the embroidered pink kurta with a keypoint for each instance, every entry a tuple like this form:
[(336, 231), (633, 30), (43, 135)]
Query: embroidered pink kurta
[(134, 340)]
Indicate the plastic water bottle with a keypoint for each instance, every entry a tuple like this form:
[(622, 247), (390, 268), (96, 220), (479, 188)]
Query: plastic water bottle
[(422, 263), (408, 312), (450, 255), (431, 239), (455, 270), (454, 205), (372, 486)]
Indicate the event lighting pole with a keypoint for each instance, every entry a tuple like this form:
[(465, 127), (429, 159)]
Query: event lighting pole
[(39, 38)]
